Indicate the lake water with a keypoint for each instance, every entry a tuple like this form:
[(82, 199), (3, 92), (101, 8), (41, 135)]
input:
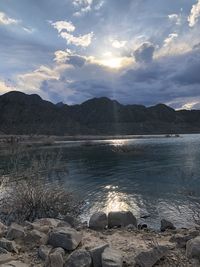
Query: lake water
[(159, 176)]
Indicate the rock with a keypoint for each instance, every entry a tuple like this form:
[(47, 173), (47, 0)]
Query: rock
[(98, 221), (44, 251), (111, 258), (8, 245), (193, 248), (35, 238), (55, 258), (131, 227), (46, 224), (121, 219), (47, 221), (182, 239), (3, 251), (3, 229), (79, 258), (64, 237), (63, 224), (150, 257), (71, 221), (166, 225), (15, 231), (96, 254), (15, 264)]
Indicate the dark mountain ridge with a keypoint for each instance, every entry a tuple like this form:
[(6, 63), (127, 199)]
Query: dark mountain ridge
[(30, 114)]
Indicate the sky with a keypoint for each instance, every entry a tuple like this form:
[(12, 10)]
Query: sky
[(135, 51)]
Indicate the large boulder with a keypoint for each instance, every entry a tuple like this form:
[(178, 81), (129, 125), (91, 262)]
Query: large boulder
[(111, 258), (55, 258), (96, 254), (79, 258), (98, 221), (8, 245), (121, 219), (64, 237), (150, 257), (193, 248), (166, 225), (15, 231)]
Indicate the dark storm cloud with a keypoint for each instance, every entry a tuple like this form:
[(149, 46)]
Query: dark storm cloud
[(144, 53), (76, 60), (188, 73)]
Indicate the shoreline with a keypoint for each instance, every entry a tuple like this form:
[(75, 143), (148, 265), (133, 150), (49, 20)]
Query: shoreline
[(66, 242), (6, 140)]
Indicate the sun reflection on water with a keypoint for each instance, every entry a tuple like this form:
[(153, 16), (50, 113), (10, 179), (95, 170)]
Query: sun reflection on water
[(119, 142), (118, 201), (115, 202)]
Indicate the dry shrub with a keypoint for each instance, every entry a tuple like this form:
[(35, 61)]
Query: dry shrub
[(29, 200), (27, 194)]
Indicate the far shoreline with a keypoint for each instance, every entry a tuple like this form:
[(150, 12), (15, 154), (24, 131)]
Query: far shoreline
[(49, 140)]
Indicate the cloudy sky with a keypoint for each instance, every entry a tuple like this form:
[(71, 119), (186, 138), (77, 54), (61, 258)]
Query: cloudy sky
[(135, 51)]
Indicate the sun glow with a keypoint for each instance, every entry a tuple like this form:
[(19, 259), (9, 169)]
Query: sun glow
[(112, 61)]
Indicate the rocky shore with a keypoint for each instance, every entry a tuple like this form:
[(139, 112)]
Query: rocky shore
[(113, 240)]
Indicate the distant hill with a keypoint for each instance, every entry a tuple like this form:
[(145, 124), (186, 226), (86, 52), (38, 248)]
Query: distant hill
[(30, 114)]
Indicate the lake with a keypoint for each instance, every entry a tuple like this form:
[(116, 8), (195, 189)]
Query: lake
[(155, 176)]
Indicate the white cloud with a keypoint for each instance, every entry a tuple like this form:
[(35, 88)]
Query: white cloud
[(81, 40), (61, 56), (6, 20), (82, 11), (175, 18), (82, 2), (171, 37), (65, 28), (32, 81), (118, 44), (189, 105), (85, 6), (63, 25), (194, 14), (4, 87)]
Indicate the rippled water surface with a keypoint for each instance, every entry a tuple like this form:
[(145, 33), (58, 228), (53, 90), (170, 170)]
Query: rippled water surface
[(155, 176)]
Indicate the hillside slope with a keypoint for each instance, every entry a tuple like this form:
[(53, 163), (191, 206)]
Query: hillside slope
[(30, 114)]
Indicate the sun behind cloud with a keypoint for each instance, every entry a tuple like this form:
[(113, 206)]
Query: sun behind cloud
[(112, 61)]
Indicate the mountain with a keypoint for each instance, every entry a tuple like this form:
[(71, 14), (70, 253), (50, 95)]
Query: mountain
[(30, 114)]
